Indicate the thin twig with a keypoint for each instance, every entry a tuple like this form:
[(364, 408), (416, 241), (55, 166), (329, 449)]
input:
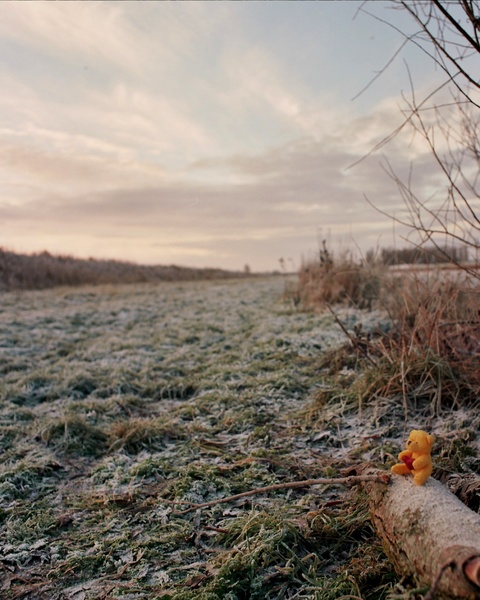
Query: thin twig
[(353, 479), (404, 394), (351, 338)]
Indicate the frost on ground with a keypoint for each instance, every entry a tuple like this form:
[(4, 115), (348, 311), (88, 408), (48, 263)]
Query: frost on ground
[(117, 401)]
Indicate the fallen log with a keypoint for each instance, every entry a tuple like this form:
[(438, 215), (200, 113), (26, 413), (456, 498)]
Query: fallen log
[(428, 534)]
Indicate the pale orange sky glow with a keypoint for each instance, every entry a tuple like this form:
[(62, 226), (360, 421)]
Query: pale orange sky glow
[(199, 133)]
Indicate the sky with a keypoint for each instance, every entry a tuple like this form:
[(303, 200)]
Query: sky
[(203, 134)]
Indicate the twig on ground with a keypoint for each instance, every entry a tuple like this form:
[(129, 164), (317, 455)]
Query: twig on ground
[(353, 479), (354, 341)]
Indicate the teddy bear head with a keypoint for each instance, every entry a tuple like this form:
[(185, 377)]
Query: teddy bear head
[(419, 442)]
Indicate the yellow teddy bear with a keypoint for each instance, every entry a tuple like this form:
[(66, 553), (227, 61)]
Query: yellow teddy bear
[(416, 458)]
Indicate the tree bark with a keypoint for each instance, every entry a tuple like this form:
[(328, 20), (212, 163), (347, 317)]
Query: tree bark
[(429, 534)]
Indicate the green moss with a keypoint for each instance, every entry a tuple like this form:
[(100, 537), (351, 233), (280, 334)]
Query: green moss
[(26, 523), (265, 547), (26, 478), (153, 467)]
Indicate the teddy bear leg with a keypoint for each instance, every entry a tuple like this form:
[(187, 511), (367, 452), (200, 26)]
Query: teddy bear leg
[(401, 469), (421, 476)]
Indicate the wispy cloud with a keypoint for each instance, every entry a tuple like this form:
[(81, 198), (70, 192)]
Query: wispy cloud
[(95, 31), (280, 196), (189, 132)]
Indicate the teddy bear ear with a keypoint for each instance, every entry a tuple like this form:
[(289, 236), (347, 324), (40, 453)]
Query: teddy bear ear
[(430, 439)]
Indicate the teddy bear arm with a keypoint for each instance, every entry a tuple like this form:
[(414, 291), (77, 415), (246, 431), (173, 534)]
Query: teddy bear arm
[(404, 453), (421, 462)]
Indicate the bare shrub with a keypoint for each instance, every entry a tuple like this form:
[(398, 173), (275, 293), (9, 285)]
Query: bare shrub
[(446, 122)]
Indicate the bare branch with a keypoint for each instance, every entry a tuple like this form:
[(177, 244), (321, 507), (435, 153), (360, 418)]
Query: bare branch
[(381, 476)]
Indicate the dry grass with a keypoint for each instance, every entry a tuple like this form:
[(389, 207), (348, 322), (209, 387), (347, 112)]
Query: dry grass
[(328, 281), (345, 282), (420, 371), (431, 352), (137, 434), (436, 338)]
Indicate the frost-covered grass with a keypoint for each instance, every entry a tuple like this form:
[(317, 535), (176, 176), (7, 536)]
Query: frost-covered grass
[(117, 401)]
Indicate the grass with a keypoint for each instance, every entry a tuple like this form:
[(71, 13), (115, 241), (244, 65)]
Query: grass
[(118, 401), (328, 280), (430, 350)]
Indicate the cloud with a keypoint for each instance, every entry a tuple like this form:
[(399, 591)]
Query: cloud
[(112, 71), (159, 130), (279, 201), (94, 31), (56, 163), (270, 202)]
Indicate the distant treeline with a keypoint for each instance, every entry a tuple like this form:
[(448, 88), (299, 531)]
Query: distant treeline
[(41, 271), (414, 255)]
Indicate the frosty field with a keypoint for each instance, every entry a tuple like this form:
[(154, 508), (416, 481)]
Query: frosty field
[(116, 402)]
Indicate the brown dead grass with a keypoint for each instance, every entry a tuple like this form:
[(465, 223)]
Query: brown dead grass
[(321, 283), (429, 357), (439, 317)]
